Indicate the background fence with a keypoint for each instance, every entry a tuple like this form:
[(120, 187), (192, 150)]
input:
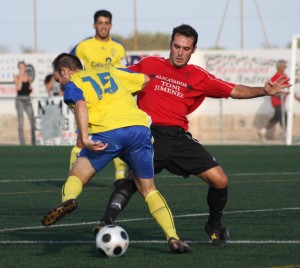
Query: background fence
[(215, 121)]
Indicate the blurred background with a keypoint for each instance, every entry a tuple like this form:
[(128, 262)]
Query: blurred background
[(239, 41)]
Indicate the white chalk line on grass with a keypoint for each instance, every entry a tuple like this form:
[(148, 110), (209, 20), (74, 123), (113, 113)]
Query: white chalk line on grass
[(5, 230), (165, 176), (56, 242)]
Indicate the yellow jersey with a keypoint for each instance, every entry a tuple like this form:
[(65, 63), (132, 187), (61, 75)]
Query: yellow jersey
[(108, 96), (98, 54)]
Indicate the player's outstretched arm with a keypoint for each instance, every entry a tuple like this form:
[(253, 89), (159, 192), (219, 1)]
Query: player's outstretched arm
[(279, 86)]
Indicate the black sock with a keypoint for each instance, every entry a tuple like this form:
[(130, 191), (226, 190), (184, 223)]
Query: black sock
[(216, 200), (118, 200)]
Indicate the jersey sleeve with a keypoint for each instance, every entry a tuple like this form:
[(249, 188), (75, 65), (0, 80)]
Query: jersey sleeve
[(72, 94), (215, 87), (131, 80), (136, 67)]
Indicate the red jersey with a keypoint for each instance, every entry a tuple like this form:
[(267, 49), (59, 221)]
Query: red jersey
[(173, 93), (276, 99)]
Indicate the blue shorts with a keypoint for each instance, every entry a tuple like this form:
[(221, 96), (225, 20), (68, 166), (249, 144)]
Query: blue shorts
[(132, 144)]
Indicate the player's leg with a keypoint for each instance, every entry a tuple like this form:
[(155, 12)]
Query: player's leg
[(160, 211), (216, 199), (140, 159), (189, 157), (81, 172), (86, 165), (118, 200), (121, 195)]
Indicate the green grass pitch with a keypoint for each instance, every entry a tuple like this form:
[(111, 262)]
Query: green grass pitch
[(262, 213)]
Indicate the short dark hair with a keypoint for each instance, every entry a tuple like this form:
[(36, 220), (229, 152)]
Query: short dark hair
[(102, 13), (185, 30), (48, 78), (66, 60)]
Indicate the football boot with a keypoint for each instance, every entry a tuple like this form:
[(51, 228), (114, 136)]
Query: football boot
[(58, 212), (218, 237)]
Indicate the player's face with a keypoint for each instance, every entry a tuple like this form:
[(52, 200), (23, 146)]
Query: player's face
[(182, 48), (102, 27), (63, 77)]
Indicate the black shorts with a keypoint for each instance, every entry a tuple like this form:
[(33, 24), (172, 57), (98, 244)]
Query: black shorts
[(177, 151)]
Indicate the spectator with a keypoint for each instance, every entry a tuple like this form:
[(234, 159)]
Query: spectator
[(23, 103)]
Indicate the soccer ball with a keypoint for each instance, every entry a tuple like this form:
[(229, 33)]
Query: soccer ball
[(112, 241)]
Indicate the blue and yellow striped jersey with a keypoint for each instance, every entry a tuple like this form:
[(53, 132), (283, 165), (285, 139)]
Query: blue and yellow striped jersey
[(97, 54), (108, 96)]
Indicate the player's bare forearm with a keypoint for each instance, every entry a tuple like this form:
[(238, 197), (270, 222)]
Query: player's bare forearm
[(271, 88), (81, 114), (246, 92)]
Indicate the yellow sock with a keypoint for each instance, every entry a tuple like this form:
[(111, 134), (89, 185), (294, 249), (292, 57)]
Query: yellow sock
[(71, 189), (120, 169), (75, 151), (161, 213)]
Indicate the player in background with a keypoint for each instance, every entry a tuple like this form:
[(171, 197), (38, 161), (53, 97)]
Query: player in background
[(278, 103), (98, 51), (175, 90)]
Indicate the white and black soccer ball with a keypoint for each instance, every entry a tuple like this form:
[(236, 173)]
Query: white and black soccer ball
[(112, 241)]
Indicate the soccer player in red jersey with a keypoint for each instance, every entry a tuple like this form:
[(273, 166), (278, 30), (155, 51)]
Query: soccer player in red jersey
[(175, 90)]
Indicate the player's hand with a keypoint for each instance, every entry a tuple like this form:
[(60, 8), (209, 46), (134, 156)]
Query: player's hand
[(281, 85), (94, 145)]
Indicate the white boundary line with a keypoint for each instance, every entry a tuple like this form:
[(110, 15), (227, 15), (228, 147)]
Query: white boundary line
[(6, 230), (166, 176), (37, 242), (56, 242)]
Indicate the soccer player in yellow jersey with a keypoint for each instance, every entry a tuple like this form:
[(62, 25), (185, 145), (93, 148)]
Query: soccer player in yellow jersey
[(104, 107), (98, 51)]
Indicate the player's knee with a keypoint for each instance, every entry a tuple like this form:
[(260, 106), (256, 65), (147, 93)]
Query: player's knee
[(215, 177), (222, 182)]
